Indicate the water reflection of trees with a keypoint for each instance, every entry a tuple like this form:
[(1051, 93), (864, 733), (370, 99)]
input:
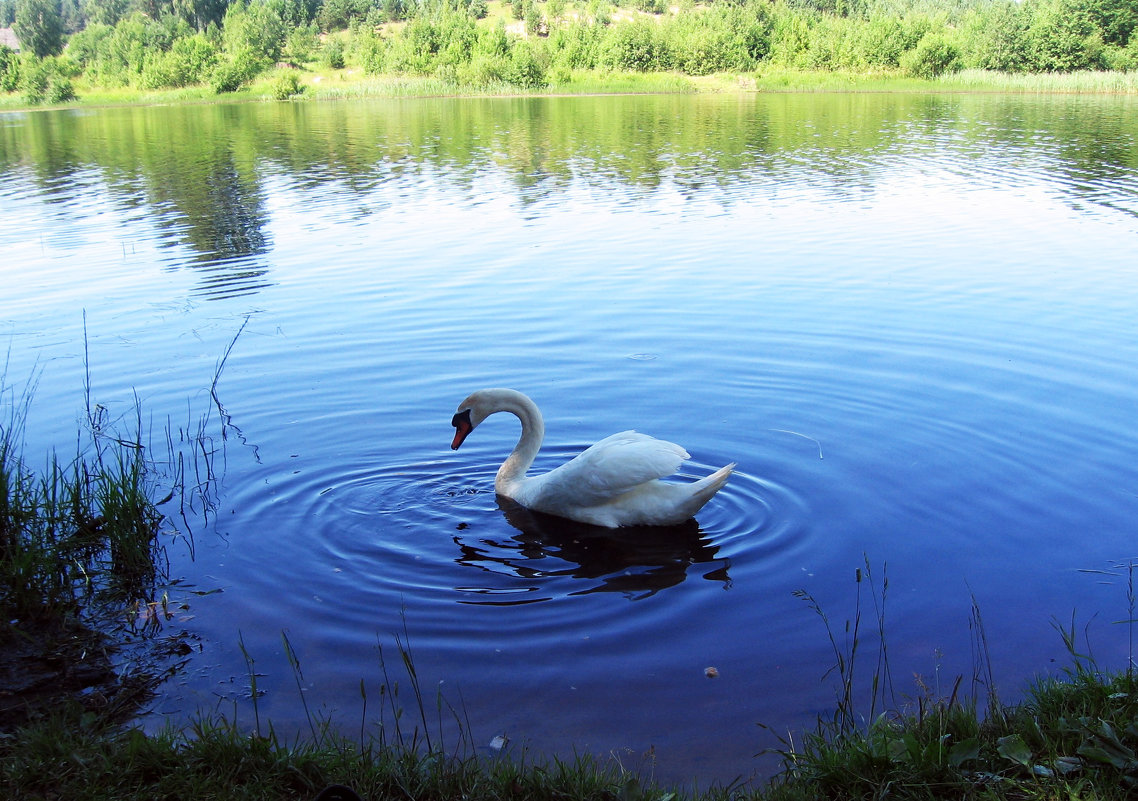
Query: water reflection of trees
[(201, 171), (637, 562)]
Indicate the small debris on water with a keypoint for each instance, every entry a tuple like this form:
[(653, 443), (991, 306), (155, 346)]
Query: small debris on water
[(711, 672)]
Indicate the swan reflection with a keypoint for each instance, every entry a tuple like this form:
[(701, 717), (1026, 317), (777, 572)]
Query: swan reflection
[(635, 561)]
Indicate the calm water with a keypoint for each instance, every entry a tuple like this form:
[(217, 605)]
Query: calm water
[(912, 321)]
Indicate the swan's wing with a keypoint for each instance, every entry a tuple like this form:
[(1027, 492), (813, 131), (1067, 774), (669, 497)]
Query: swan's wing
[(610, 468)]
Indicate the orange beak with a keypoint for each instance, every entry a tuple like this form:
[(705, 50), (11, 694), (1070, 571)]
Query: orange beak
[(462, 428)]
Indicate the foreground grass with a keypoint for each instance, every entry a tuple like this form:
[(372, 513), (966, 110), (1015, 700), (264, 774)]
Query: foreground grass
[(1075, 738), (317, 84)]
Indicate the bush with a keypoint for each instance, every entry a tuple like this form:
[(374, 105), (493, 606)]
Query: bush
[(60, 90), (229, 76), (634, 46), (933, 56), (189, 61), (525, 69), (9, 70), (368, 51), (1122, 60), (301, 43), (332, 54), (715, 40), (484, 70), (882, 41), (42, 81), (286, 84), (577, 44)]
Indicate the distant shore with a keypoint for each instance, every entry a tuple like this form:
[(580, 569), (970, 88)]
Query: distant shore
[(315, 84)]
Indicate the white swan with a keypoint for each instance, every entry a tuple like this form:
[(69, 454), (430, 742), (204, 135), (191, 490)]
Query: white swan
[(613, 483)]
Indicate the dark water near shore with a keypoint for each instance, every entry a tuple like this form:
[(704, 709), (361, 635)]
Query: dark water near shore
[(910, 319)]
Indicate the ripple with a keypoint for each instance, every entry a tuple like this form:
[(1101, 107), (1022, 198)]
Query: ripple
[(434, 534)]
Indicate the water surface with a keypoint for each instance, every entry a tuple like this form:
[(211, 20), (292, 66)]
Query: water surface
[(909, 319)]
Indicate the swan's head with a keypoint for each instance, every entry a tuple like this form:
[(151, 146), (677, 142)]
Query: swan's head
[(471, 412), (485, 402)]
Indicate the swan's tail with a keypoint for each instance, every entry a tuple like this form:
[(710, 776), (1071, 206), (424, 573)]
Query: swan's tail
[(702, 490)]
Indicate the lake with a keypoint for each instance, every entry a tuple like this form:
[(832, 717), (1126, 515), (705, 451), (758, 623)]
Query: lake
[(911, 319)]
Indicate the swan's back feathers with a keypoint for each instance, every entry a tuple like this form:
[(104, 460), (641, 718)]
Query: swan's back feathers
[(608, 469)]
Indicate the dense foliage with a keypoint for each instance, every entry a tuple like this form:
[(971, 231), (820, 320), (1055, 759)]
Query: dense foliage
[(152, 44)]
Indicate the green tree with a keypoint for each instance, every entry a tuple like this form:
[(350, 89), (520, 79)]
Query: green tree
[(40, 27), (996, 37), (201, 13), (1116, 19), (1063, 38), (254, 34), (105, 12)]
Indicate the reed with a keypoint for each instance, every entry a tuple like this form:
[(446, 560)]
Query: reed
[(1081, 82), (81, 529)]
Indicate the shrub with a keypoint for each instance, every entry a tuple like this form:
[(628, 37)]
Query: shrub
[(189, 61), (286, 84), (790, 38), (484, 70), (9, 70), (525, 69), (229, 76), (934, 55), (368, 50), (60, 90), (33, 81), (634, 46), (332, 54), (883, 40), (44, 81), (578, 44), (300, 43), (257, 30)]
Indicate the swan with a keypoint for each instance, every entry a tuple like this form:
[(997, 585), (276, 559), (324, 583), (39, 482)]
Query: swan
[(614, 483)]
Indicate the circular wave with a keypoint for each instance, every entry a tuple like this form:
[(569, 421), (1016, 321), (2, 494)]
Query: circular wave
[(436, 534)]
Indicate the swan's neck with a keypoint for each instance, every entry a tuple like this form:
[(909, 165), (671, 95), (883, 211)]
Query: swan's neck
[(513, 470)]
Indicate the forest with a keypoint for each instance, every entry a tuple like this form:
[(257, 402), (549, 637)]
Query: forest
[(531, 44)]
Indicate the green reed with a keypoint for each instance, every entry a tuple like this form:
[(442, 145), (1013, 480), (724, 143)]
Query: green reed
[(82, 526)]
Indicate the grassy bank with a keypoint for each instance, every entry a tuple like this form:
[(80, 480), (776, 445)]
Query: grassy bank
[(1071, 738), (322, 84)]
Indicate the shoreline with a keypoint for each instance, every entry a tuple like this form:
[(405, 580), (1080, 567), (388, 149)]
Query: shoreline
[(321, 86)]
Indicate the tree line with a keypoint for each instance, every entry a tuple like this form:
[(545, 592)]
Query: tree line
[(155, 44)]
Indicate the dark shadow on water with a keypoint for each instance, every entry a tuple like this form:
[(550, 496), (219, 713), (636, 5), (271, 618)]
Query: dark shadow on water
[(637, 561)]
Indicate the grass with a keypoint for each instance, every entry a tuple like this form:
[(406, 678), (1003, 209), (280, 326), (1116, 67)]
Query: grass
[(83, 529), (83, 556), (326, 84)]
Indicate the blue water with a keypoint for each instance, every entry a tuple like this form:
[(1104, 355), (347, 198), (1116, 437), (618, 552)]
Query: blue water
[(910, 320)]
